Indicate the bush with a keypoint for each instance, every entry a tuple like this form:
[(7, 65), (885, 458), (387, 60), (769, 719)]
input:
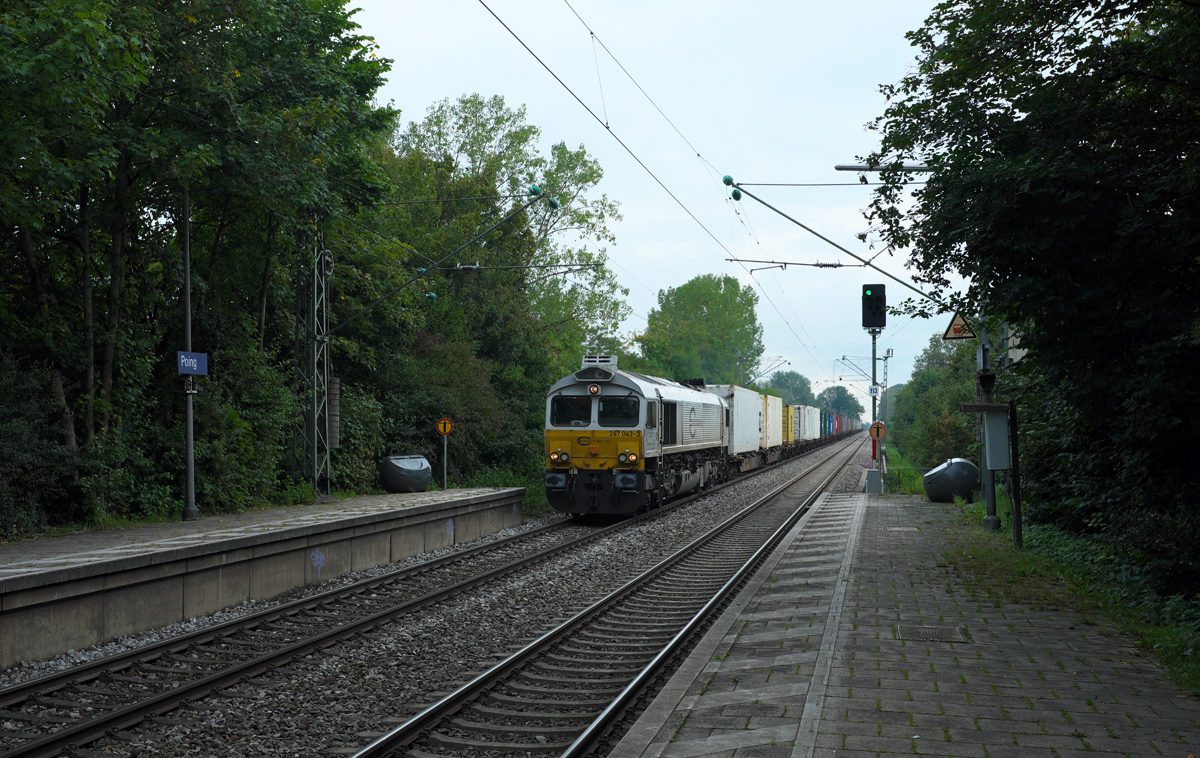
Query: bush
[(35, 467), (355, 462)]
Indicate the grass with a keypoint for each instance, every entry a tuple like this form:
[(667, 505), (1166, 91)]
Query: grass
[(1060, 571), (903, 477)]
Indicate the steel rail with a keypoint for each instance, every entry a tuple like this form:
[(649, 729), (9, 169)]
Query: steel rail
[(119, 661), (594, 732), (88, 731), (411, 730), (123, 660)]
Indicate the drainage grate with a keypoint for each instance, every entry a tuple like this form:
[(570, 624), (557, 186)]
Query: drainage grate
[(930, 633)]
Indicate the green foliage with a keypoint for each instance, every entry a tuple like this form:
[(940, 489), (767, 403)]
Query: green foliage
[(1064, 189), (700, 328), (355, 462), (794, 388), (887, 405), (926, 424), (35, 468), (837, 399), (266, 114)]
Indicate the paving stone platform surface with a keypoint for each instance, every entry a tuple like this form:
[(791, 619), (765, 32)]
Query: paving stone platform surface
[(768, 681), (24, 557)]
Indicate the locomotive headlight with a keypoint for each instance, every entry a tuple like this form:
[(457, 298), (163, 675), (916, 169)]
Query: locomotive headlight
[(622, 457), (594, 389), (554, 456), (564, 457), (633, 457)]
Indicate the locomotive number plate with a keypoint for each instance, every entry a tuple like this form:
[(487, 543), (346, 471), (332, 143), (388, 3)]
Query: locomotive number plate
[(615, 433)]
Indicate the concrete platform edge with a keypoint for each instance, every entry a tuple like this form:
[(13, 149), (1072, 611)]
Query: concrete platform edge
[(192, 552), (123, 596)]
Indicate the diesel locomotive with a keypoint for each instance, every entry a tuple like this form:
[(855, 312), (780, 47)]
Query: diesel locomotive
[(618, 442)]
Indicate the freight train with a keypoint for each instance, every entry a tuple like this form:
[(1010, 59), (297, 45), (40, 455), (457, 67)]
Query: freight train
[(618, 442)]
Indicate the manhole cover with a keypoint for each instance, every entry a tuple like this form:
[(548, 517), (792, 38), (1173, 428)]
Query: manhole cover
[(903, 529), (930, 633)]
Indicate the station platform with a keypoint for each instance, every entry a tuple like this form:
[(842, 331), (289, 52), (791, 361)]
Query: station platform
[(851, 641), (78, 590)]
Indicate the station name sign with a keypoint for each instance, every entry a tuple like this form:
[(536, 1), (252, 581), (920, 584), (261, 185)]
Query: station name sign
[(193, 363)]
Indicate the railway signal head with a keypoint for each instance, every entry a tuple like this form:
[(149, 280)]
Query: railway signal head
[(874, 306)]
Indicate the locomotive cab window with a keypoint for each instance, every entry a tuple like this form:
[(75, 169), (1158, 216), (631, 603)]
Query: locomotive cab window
[(619, 411), (651, 415), (570, 410)]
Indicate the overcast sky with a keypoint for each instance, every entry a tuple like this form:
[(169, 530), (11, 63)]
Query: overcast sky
[(765, 92)]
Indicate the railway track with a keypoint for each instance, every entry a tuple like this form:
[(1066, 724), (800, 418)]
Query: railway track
[(561, 694), (61, 712)]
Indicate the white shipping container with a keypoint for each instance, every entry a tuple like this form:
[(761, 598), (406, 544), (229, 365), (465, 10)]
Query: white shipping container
[(808, 419), (772, 421), (745, 412)]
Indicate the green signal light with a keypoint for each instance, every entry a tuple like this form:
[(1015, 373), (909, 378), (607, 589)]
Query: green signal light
[(868, 292)]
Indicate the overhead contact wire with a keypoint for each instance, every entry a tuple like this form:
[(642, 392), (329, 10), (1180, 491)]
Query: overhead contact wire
[(606, 127)]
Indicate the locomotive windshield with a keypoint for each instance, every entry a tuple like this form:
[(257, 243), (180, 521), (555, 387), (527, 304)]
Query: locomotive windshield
[(618, 411), (570, 410)]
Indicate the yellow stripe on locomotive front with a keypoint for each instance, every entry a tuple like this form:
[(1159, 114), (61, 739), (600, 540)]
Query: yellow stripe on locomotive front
[(608, 444)]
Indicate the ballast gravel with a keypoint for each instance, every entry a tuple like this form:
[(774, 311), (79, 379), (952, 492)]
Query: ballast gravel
[(33, 669), (851, 478), (337, 702)]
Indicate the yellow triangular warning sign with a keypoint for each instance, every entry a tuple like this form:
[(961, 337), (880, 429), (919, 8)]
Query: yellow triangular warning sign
[(959, 329)]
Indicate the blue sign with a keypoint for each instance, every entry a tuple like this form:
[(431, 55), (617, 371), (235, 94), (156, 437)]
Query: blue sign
[(193, 363)]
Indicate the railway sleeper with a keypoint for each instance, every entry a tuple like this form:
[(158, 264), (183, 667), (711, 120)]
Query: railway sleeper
[(500, 729), (602, 648), (576, 693), (617, 625), (651, 610), (681, 616), (693, 590), (620, 640), (514, 700), (460, 743), (594, 658), (610, 683), (572, 670), (488, 712)]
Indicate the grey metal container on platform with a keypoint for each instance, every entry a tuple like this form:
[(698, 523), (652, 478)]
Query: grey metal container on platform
[(957, 476), (405, 473)]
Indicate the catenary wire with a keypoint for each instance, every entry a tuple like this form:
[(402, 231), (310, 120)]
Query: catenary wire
[(606, 127), (818, 184), (744, 218), (640, 88)]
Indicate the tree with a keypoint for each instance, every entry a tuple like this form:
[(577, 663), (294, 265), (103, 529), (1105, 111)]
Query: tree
[(484, 351), (887, 405), (837, 399), (926, 423), (485, 141), (1064, 145), (794, 388), (264, 114), (700, 328)]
